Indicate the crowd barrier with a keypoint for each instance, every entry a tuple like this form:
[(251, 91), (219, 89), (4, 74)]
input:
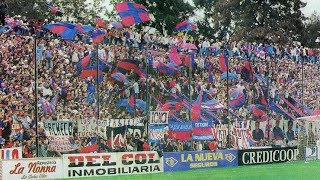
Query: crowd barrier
[(144, 162)]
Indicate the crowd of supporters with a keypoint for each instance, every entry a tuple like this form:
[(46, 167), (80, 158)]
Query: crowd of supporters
[(285, 75)]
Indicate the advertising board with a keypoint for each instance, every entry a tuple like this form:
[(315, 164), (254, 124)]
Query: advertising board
[(110, 164), (11, 153), (267, 155), (181, 161), (44, 168)]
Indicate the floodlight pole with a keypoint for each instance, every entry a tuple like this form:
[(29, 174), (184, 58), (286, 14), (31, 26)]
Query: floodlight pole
[(36, 91)]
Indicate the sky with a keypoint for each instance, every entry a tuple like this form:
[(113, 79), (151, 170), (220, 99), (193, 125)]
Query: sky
[(312, 5)]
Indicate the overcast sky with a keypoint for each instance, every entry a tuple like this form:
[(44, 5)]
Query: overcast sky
[(312, 5)]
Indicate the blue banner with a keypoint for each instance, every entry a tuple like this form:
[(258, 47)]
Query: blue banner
[(202, 124), (181, 161), (179, 126)]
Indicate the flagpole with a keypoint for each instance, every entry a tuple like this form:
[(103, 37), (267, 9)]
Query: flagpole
[(97, 94), (147, 94), (228, 120), (36, 91), (190, 96)]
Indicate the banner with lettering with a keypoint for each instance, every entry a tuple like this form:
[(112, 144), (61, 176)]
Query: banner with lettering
[(159, 117), (11, 153), (181, 161), (156, 133), (202, 130), (179, 130), (87, 127), (60, 136), (44, 168), (111, 164)]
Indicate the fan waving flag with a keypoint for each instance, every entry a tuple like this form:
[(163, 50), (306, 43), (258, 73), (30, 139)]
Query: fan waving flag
[(132, 13), (55, 10), (186, 26)]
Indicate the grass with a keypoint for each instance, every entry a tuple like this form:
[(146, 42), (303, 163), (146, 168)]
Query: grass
[(291, 170)]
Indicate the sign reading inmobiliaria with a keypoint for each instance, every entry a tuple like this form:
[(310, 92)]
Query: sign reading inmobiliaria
[(60, 135), (45, 168), (110, 164)]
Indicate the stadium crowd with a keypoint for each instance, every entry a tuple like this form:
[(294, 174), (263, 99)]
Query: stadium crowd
[(280, 75)]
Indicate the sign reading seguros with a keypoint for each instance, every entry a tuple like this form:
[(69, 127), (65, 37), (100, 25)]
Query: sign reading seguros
[(180, 161), (108, 164)]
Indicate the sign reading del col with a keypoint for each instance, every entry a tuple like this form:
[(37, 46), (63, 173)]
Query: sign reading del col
[(180, 161), (45, 168), (109, 164), (267, 156)]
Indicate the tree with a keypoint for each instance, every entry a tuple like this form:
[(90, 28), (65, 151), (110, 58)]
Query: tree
[(280, 20), (312, 31), (31, 9)]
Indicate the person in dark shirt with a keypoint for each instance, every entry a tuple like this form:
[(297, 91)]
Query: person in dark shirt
[(257, 134), (277, 131), (290, 132)]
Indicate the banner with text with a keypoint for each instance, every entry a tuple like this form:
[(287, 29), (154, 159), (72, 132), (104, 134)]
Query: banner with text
[(267, 155), (111, 164), (11, 153), (159, 117), (181, 161), (60, 136), (44, 168), (87, 127), (156, 133)]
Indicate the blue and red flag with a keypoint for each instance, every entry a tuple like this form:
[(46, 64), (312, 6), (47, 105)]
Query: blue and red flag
[(66, 30), (46, 106), (120, 77), (90, 72), (163, 68), (223, 61), (237, 98), (84, 62), (246, 71), (98, 36), (3, 29), (91, 147), (132, 13), (186, 26), (174, 56), (196, 107), (129, 65), (259, 112), (54, 101), (131, 100), (55, 10)]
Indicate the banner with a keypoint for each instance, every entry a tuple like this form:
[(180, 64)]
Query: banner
[(44, 168), (181, 161), (87, 127), (11, 153), (60, 136), (311, 153), (159, 117), (156, 133), (202, 131), (103, 125), (179, 130), (111, 164), (267, 156)]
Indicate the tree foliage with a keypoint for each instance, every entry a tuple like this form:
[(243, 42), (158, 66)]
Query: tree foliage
[(250, 20), (31, 9), (312, 31)]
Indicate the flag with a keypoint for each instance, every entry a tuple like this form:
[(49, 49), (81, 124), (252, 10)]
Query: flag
[(128, 65), (91, 147), (46, 106), (174, 56), (116, 136), (223, 62), (179, 130), (131, 100), (55, 10), (202, 130), (237, 98), (98, 36), (120, 77), (163, 68), (3, 29), (66, 30), (100, 23), (132, 13), (246, 71), (54, 101), (185, 26), (259, 112), (196, 107)]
